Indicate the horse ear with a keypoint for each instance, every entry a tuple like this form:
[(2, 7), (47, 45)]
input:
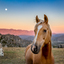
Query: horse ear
[(45, 18), (37, 19)]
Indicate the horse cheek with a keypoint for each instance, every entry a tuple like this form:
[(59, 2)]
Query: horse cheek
[(47, 39)]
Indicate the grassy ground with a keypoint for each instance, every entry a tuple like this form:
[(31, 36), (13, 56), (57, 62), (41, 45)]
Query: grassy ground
[(17, 56), (58, 55)]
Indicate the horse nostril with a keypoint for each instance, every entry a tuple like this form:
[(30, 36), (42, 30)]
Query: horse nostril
[(35, 49), (43, 38)]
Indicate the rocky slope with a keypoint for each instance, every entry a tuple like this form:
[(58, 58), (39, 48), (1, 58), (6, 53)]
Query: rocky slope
[(13, 41)]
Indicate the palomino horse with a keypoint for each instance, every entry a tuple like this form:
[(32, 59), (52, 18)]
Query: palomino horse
[(40, 51)]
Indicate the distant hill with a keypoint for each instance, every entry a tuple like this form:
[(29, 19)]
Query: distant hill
[(27, 37), (58, 37), (16, 32), (13, 41)]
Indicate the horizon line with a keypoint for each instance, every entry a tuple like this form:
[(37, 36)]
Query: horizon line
[(25, 30)]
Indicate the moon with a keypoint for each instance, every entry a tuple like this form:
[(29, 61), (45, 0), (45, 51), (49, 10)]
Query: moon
[(6, 9)]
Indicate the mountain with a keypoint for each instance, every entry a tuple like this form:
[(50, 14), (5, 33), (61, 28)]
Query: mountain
[(27, 37), (13, 41), (16, 32), (58, 37)]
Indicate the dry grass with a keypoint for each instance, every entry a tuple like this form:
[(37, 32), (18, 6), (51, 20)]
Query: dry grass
[(13, 56), (58, 55), (17, 56)]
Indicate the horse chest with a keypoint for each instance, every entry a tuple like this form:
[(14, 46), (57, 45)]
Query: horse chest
[(38, 59), (41, 61)]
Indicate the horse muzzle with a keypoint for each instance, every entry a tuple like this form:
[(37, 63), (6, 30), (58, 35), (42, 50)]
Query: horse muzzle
[(35, 49)]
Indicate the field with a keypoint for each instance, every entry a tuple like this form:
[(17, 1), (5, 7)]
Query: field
[(17, 56)]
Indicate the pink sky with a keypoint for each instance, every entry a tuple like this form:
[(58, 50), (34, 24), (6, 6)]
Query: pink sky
[(21, 15)]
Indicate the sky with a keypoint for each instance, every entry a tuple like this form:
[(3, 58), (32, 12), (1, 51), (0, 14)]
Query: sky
[(20, 14)]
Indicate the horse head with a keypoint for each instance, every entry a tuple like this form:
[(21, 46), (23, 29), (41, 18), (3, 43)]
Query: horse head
[(42, 34)]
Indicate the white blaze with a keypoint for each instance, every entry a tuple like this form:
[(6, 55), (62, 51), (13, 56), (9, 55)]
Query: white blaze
[(39, 27)]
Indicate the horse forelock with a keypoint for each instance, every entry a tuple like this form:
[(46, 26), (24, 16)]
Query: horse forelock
[(40, 22)]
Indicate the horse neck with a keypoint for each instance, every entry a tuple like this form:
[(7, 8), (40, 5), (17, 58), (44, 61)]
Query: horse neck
[(46, 50)]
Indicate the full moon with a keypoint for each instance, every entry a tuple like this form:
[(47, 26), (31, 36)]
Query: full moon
[(6, 9)]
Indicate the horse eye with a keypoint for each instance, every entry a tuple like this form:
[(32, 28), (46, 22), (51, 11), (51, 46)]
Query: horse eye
[(44, 30)]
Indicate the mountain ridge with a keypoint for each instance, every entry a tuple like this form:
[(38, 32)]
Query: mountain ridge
[(16, 32)]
